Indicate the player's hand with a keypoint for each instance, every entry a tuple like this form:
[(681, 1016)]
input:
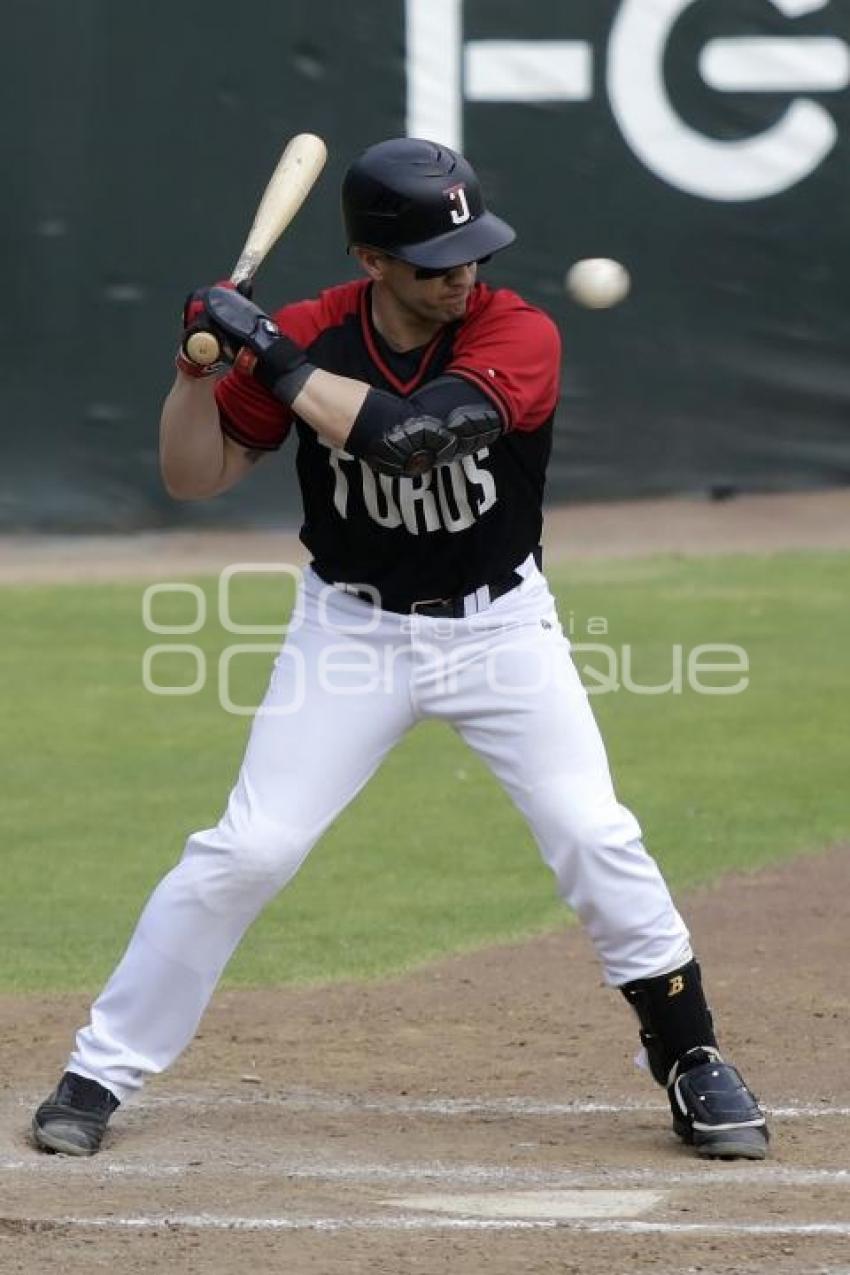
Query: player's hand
[(248, 337), (195, 320)]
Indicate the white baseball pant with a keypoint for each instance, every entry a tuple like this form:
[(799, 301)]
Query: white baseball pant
[(349, 681)]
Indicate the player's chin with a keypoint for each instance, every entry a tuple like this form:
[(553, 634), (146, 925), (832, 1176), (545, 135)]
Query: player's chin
[(454, 307)]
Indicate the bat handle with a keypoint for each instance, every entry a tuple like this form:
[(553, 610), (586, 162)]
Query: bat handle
[(202, 348)]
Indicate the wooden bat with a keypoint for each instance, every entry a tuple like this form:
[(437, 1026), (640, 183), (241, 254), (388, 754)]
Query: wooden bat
[(289, 185)]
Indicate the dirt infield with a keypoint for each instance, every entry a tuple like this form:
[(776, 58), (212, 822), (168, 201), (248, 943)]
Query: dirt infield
[(306, 1129), (747, 524)]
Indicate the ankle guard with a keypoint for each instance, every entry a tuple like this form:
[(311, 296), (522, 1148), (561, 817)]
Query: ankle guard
[(674, 1017)]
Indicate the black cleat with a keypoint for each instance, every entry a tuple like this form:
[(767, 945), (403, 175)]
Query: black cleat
[(73, 1119), (714, 1111)]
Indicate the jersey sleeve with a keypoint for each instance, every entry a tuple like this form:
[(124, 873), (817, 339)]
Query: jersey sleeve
[(512, 352), (247, 411)]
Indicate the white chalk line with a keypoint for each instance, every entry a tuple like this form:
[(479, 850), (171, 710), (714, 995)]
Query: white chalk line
[(304, 1169), (415, 1222), (342, 1104)]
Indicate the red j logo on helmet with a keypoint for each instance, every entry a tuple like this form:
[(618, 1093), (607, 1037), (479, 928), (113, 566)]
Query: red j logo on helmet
[(458, 205)]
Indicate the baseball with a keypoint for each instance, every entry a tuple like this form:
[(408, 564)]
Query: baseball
[(598, 283)]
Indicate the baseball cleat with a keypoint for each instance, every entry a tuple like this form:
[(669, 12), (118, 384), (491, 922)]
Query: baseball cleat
[(73, 1119), (714, 1111)]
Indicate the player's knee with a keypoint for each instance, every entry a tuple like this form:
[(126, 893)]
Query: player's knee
[(269, 853), (253, 861)]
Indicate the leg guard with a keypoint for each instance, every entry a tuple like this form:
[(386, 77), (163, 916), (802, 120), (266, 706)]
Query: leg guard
[(674, 1017)]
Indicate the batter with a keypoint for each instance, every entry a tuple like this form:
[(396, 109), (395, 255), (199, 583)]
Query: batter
[(423, 403)]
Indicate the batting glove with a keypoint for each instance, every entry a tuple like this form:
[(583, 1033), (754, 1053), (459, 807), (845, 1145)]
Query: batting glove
[(195, 320)]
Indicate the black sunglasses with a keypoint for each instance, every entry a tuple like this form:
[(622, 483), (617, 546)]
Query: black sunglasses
[(438, 272)]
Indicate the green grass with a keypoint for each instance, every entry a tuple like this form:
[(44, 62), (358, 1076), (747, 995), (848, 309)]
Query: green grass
[(102, 781)]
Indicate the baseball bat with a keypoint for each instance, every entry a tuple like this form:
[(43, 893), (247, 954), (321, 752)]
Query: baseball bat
[(289, 185)]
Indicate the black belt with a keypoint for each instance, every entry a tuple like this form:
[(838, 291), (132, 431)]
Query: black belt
[(453, 608)]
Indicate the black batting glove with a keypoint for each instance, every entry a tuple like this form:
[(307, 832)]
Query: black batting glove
[(254, 343), (194, 320), (193, 306)]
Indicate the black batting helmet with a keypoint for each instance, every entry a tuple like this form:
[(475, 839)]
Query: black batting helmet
[(422, 202)]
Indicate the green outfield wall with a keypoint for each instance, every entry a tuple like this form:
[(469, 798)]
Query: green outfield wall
[(702, 142)]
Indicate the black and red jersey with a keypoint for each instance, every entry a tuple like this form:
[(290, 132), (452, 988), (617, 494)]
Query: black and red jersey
[(458, 526)]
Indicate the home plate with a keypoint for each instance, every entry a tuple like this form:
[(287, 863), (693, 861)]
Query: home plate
[(551, 1205)]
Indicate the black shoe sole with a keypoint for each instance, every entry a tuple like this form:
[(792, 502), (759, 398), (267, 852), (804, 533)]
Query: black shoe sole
[(58, 1138), (746, 1143)]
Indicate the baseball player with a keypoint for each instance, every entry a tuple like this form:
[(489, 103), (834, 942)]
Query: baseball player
[(422, 401)]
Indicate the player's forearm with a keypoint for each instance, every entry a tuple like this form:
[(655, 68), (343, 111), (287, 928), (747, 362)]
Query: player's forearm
[(330, 404), (191, 444), (399, 436), (257, 347)]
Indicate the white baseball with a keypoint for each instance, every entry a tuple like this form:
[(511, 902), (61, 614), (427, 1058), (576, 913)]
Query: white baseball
[(598, 282)]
